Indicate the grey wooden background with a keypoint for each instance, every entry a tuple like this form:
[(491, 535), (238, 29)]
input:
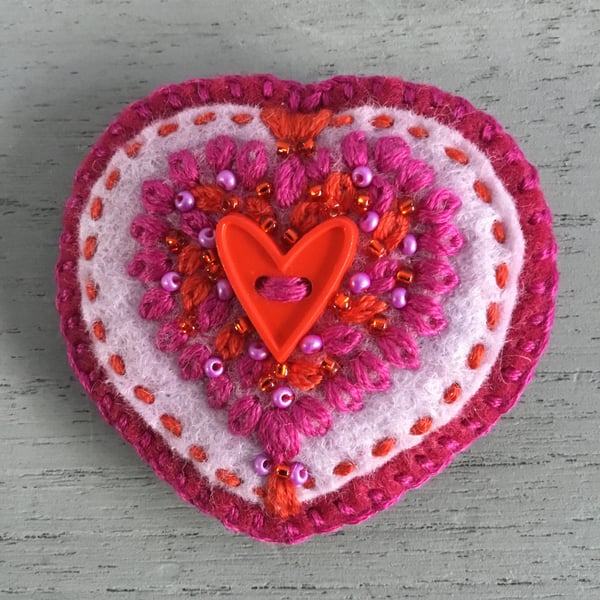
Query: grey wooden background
[(82, 517)]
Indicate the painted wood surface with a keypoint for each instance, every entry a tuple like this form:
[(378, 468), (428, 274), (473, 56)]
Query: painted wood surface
[(516, 516)]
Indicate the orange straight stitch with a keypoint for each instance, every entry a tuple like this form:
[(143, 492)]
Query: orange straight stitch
[(383, 447), (170, 423), (143, 394), (117, 364), (167, 129), (228, 478), (96, 208), (112, 179), (382, 122)]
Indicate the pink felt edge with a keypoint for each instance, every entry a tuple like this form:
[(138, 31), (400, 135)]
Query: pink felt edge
[(363, 496)]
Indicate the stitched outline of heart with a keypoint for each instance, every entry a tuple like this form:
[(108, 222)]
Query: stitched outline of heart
[(530, 325)]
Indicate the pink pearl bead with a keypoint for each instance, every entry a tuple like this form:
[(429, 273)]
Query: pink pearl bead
[(226, 179), (311, 343), (185, 201), (263, 465), (399, 297), (409, 244), (224, 290), (213, 367), (282, 396), (369, 221), (359, 282), (257, 351), (298, 474), (170, 281), (362, 176), (207, 238)]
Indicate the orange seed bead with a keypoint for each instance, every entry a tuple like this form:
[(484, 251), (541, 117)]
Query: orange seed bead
[(406, 207), (379, 323), (283, 149), (264, 189), (241, 325), (404, 276), (266, 383), (329, 366), (267, 223), (362, 203), (376, 249), (290, 236), (281, 370), (342, 301)]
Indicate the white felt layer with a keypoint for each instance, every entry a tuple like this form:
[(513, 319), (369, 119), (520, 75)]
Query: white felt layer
[(388, 414)]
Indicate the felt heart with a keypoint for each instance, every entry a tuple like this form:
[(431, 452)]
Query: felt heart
[(299, 302), (320, 258)]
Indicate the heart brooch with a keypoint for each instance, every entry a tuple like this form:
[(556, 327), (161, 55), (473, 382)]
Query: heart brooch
[(297, 302)]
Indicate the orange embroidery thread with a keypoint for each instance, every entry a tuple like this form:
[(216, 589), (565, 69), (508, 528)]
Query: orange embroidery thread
[(143, 394), (96, 208), (133, 149), (383, 447), (167, 129), (91, 290), (418, 132), (204, 118), (242, 118), (502, 275), (197, 453), (341, 120), (456, 155), (493, 314), (382, 122), (117, 364), (498, 231), (475, 356), (170, 423), (228, 478), (89, 247), (422, 426), (452, 393), (482, 191), (344, 468), (112, 179), (99, 331)]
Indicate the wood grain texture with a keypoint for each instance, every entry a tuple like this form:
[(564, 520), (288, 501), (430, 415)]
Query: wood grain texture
[(514, 517)]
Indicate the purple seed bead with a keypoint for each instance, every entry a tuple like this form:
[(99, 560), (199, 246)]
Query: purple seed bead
[(185, 201), (257, 351), (263, 465), (226, 179), (362, 176), (282, 396), (359, 282), (369, 221), (409, 244), (207, 238), (399, 297), (213, 367), (310, 344), (298, 474), (224, 290), (170, 281)]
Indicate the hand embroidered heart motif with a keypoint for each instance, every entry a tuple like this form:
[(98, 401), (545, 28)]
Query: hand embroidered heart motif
[(299, 302)]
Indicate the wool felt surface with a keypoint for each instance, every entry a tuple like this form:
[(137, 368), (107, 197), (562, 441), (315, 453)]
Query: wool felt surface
[(412, 386)]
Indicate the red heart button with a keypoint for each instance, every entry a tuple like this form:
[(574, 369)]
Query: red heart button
[(322, 256)]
